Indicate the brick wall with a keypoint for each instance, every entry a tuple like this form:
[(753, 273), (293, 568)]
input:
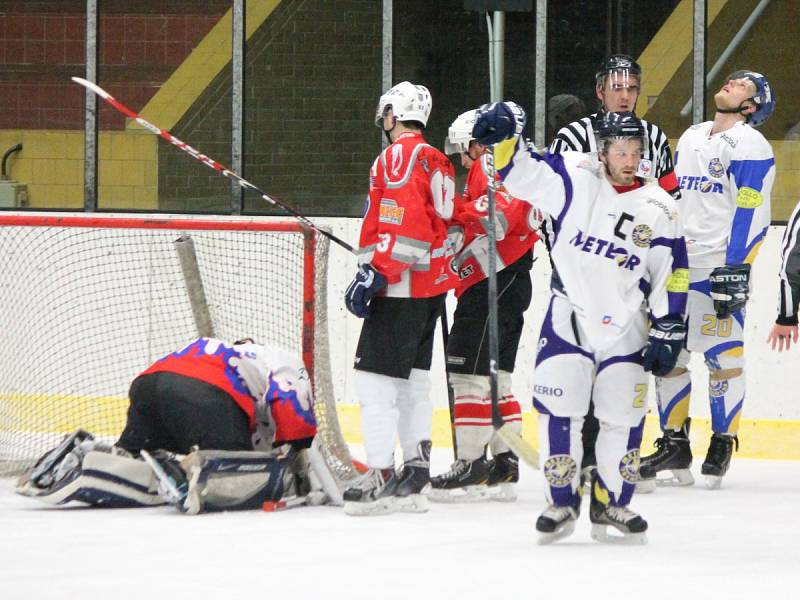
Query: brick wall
[(42, 44)]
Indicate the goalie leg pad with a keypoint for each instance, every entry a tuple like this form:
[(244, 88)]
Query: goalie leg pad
[(230, 480), (104, 480)]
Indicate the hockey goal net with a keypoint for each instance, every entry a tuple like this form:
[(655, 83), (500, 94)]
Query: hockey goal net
[(88, 301)]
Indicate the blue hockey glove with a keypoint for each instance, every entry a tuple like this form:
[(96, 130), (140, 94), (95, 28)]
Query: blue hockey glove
[(730, 289), (497, 122), (664, 344), (364, 286)]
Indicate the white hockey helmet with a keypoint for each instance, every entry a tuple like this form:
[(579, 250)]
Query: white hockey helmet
[(460, 133), (408, 102)]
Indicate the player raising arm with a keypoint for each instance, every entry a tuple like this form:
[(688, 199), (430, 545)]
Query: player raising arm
[(213, 401), (618, 83), (784, 333), (726, 169), (616, 248)]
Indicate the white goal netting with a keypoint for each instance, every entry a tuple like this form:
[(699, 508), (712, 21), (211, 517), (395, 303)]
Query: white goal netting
[(88, 301)]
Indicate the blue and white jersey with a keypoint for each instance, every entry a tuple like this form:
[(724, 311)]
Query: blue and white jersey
[(726, 182), (614, 252)]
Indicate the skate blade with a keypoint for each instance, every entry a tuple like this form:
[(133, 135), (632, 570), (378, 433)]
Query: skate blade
[(645, 486), (713, 482), (503, 492), (384, 506), (600, 534), (465, 495), (415, 503), (566, 530)]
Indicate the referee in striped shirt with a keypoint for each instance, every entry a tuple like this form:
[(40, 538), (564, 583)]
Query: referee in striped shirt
[(784, 332), (618, 83)]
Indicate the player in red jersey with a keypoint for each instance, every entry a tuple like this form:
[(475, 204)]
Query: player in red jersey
[(467, 347), (404, 274)]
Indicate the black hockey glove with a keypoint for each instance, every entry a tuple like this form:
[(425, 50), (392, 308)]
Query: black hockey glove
[(730, 289), (364, 286), (497, 122), (664, 344)]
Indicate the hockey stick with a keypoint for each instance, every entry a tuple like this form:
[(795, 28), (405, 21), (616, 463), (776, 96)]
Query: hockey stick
[(209, 162), (512, 439), (451, 395)]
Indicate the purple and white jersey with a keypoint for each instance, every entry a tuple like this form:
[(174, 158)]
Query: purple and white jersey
[(613, 251)]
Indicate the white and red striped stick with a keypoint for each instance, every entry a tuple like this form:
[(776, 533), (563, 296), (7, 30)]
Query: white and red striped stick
[(206, 160)]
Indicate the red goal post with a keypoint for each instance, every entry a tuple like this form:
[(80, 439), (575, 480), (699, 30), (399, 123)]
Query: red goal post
[(89, 300)]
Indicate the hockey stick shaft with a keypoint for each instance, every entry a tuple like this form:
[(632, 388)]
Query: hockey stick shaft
[(451, 395), (512, 439), (206, 160)]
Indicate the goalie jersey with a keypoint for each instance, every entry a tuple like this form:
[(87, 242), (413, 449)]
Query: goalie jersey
[(726, 182), (612, 251), (268, 383)]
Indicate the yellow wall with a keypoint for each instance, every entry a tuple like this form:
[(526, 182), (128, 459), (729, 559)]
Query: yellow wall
[(51, 163)]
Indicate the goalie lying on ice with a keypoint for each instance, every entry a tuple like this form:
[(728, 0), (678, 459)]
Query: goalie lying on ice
[(212, 426)]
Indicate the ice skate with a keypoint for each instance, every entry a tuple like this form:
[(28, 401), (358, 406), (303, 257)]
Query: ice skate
[(630, 524), (672, 458), (556, 523), (465, 482), (718, 459), (414, 481), (503, 477), (372, 494)]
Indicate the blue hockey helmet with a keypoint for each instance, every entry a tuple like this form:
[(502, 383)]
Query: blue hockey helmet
[(764, 99)]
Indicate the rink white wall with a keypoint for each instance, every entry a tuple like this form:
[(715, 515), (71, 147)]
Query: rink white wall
[(771, 377)]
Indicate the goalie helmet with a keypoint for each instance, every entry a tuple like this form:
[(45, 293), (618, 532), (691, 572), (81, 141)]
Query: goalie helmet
[(618, 63), (408, 102), (763, 98), (459, 135)]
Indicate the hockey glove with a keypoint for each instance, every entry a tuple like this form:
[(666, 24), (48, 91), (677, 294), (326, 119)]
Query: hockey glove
[(364, 286), (497, 122), (730, 288), (664, 344)]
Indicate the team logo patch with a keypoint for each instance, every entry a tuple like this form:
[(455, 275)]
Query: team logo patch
[(391, 213), (679, 281), (749, 198), (641, 236), (715, 168), (560, 470), (607, 319), (629, 466), (717, 389), (645, 168)]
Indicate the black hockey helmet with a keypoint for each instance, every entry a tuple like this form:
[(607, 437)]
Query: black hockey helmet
[(618, 62), (622, 124)]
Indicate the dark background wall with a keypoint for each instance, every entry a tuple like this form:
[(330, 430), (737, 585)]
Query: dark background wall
[(42, 45)]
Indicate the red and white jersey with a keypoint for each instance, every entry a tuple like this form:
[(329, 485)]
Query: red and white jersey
[(516, 222), (255, 376), (404, 232)]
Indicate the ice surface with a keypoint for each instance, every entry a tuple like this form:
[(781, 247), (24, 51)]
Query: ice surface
[(737, 542)]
